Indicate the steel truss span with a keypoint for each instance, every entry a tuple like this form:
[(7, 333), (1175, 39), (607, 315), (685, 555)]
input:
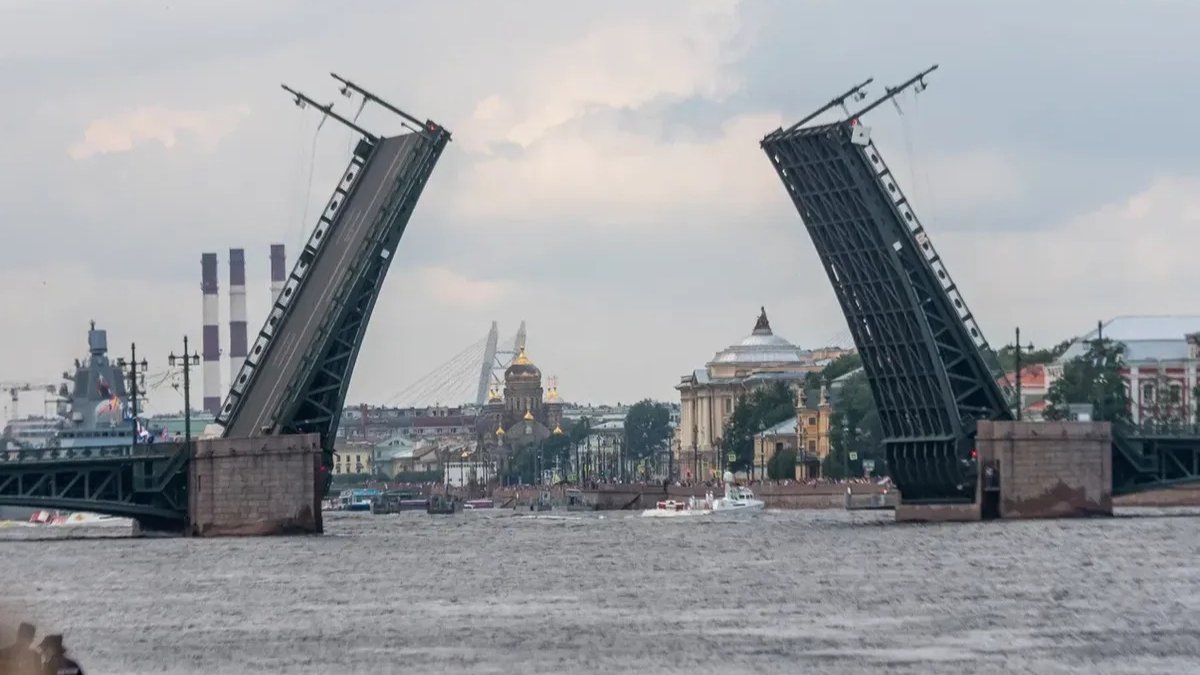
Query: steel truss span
[(922, 352), (295, 378), (148, 483)]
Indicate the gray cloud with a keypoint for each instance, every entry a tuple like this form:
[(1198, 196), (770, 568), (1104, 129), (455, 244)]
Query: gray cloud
[(605, 181)]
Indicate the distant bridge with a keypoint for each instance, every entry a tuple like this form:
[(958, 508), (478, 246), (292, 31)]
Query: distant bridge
[(466, 377), (931, 372)]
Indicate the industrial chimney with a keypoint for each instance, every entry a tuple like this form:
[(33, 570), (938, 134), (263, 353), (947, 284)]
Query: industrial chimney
[(278, 271), (212, 336), (237, 311)]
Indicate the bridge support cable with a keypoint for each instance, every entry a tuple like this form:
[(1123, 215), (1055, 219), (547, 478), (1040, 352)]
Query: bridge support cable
[(450, 383), (295, 378), (457, 380), (923, 354)]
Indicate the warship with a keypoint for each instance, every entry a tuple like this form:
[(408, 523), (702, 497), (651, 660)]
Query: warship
[(92, 411), (92, 406)]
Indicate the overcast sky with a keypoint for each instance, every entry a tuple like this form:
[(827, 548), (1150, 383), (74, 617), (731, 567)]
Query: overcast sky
[(605, 181)]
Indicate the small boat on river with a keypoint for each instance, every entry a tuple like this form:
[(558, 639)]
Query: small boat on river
[(440, 504), (737, 499)]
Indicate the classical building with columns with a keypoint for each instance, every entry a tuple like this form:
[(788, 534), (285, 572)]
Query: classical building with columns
[(1161, 364), (709, 394)]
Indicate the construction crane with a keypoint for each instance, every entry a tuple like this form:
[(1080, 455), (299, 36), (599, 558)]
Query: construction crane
[(15, 388)]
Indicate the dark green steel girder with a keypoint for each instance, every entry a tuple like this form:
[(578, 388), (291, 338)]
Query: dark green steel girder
[(149, 484)]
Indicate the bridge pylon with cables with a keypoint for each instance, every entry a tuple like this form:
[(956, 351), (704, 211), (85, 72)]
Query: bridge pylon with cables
[(466, 377)]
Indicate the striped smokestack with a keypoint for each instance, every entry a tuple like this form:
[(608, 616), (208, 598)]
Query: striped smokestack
[(278, 271), (212, 332), (237, 311)]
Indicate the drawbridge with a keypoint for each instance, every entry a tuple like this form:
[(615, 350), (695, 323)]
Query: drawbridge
[(295, 377), (930, 369)]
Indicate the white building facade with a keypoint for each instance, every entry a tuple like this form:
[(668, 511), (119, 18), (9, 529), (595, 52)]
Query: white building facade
[(1161, 364)]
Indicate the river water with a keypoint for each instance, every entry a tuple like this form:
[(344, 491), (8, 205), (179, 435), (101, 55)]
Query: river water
[(779, 592)]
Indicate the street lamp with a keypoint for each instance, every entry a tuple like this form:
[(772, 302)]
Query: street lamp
[(1018, 367), (845, 449), (762, 452), (187, 362), (134, 384)]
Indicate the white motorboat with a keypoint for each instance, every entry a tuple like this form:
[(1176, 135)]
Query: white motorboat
[(737, 499), (673, 508)]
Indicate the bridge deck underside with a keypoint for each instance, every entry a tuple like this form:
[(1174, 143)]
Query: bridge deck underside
[(923, 364)]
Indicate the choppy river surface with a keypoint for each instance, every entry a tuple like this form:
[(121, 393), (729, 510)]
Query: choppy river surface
[(780, 592)]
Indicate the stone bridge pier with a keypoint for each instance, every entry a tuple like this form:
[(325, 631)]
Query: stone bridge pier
[(255, 486), (1038, 469)]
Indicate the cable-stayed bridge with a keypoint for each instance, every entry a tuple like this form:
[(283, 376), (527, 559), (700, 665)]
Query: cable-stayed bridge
[(467, 376)]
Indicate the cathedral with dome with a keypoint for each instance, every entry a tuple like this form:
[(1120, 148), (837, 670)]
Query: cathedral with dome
[(709, 394), (523, 414)]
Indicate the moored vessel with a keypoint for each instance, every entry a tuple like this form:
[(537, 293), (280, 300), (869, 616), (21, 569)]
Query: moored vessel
[(443, 504)]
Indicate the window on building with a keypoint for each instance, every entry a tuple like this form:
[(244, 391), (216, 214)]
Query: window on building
[(778, 448), (1148, 392), (812, 447), (728, 405), (812, 421), (1176, 392)]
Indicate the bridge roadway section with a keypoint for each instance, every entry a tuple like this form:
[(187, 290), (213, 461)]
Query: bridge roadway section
[(261, 405)]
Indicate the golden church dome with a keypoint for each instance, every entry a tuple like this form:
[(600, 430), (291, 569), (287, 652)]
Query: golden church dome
[(499, 430), (528, 415), (522, 368), (557, 430)]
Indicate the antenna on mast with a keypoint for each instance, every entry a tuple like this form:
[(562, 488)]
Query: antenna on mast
[(424, 128), (892, 92), (302, 101)]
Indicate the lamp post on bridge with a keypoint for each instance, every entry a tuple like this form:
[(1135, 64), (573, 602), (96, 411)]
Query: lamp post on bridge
[(1017, 355), (134, 384), (187, 361)]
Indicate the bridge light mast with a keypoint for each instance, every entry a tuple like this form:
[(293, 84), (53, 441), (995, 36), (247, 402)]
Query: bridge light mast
[(892, 92), (134, 383), (856, 92), (302, 100), (424, 128), (187, 361)]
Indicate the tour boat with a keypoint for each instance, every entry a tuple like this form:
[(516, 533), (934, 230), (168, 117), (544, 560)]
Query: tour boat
[(475, 504), (737, 499)]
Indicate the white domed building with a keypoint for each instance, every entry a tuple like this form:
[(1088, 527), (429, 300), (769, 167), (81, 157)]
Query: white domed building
[(709, 394)]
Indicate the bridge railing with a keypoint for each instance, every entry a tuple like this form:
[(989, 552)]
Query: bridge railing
[(88, 453), (1172, 429)]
